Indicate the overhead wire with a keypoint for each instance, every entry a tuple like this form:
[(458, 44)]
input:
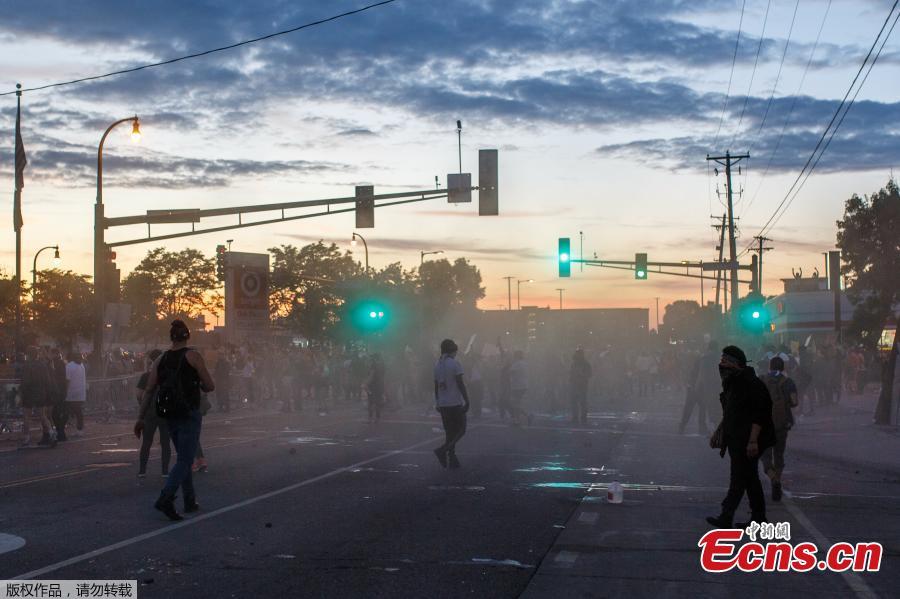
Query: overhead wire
[(791, 110), (762, 37), (737, 45), (837, 126), (206, 52), (831, 128)]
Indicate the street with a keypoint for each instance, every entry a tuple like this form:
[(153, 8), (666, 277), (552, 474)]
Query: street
[(311, 505)]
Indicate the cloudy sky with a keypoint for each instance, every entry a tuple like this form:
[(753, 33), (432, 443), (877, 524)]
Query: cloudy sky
[(603, 112)]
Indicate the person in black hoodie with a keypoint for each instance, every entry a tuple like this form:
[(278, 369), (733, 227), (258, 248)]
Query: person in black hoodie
[(745, 432)]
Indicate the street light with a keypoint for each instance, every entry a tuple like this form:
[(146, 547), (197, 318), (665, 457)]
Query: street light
[(519, 291), (365, 245), (56, 262), (423, 253), (101, 250)]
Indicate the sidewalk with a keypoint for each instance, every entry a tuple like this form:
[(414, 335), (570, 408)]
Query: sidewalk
[(844, 434)]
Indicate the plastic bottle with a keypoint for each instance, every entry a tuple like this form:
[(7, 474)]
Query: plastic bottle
[(615, 493)]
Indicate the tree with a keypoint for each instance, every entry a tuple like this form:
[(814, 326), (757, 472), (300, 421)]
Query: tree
[(869, 239), (445, 285), (304, 286), (8, 311), (180, 284), (139, 290), (686, 320), (63, 306)]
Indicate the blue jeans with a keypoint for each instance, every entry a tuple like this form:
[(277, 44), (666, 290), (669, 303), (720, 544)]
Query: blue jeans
[(185, 435)]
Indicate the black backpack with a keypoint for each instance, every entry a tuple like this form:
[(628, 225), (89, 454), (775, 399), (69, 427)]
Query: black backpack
[(171, 397)]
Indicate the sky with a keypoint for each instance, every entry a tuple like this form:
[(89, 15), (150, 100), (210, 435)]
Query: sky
[(603, 113)]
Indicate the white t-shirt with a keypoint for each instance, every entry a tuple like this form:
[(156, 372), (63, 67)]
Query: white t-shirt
[(76, 390), (445, 372)]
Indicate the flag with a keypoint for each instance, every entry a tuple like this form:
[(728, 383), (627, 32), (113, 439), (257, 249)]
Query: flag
[(21, 161)]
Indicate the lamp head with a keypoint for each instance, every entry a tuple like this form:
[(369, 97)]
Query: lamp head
[(56, 259), (136, 130)]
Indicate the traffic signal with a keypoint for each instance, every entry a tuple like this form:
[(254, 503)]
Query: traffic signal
[(220, 262), (753, 316), (365, 206), (371, 316), (640, 267), (564, 257), (488, 204)]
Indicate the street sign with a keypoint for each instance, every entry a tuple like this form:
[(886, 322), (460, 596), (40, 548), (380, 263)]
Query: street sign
[(365, 207), (246, 295), (721, 265)]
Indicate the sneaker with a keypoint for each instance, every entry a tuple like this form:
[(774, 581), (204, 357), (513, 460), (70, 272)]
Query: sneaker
[(202, 466), (776, 491), (142, 475), (441, 456), (191, 506), (722, 521), (167, 507)]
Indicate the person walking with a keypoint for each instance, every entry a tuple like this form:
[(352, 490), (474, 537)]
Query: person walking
[(745, 431), (451, 401), (783, 392), (37, 396), (76, 391), (579, 377), (59, 414), (180, 375), (518, 387), (702, 385), (375, 386), (152, 423)]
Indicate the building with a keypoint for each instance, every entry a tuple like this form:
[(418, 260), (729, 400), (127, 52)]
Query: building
[(807, 308), (534, 326)]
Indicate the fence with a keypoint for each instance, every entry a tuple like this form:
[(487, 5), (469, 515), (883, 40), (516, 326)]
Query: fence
[(107, 398)]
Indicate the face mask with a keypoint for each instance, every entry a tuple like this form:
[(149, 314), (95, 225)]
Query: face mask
[(725, 372)]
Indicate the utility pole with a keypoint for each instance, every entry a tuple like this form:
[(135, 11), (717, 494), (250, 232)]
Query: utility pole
[(730, 161), (760, 249), (581, 252), (509, 291), (560, 298), (657, 316), (721, 248)]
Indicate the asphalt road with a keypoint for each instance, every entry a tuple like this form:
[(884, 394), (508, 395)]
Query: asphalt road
[(305, 505)]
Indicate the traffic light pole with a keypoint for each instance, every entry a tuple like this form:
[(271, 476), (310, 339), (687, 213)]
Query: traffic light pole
[(627, 265)]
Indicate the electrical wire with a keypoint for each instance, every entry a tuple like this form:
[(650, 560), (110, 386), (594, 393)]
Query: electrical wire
[(793, 106), (843, 116), (806, 167), (206, 52), (762, 36), (731, 76)]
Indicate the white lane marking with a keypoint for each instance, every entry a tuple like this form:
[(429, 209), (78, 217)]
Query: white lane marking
[(10, 542), (224, 510), (853, 580), (565, 559), (588, 517)]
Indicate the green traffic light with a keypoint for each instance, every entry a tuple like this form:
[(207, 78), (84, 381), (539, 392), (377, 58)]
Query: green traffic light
[(564, 254), (564, 257), (641, 274), (755, 315)]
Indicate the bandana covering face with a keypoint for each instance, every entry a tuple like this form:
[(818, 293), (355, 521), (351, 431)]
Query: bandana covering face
[(728, 366)]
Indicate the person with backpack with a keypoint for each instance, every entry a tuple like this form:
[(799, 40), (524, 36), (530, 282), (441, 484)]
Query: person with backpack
[(176, 380), (152, 422), (783, 392), (579, 377)]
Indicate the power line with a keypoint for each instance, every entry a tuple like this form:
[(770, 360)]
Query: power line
[(206, 52), (762, 36), (843, 116), (787, 197), (793, 106), (731, 76)]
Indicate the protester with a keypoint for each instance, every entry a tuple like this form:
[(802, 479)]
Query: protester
[(76, 391), (180, 375), (37, 397), (703, 384), (58, 383), (452, 402), (152, 422), (745, 431), (476, 385), (375, 388), (579, 377), (518, 387), (783, 393)]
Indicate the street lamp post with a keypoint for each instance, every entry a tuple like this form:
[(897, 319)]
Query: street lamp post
[(509, 292), (423, 253), (101, 250), (34, 266), (365, 245), (519, 291), (560, 298)]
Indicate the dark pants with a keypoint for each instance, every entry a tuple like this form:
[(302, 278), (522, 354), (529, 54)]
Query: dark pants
[(773, 457), (579, 404), (694, 399), (376, 402), (151, 423), (60, 417), (744, 478), (185, 433), (454, 419), (76, 408)]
